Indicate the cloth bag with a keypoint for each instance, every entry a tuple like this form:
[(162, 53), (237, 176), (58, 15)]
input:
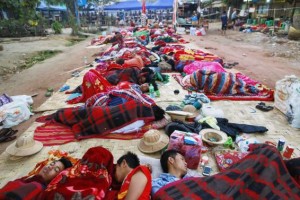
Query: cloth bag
[(189, 145), (287, 95)]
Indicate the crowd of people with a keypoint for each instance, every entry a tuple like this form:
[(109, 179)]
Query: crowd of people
[(114, 102)]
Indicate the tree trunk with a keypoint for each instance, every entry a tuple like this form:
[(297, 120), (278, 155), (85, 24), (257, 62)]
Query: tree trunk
[(293, 11), (295, 16)]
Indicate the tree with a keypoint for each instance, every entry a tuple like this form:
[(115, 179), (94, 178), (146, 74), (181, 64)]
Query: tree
[(71, 6), (20, 10), (293, 2)]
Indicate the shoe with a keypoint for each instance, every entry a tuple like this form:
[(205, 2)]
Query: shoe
[(8, 136), (264, 108)]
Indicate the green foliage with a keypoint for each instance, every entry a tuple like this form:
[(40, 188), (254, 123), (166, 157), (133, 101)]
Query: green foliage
[(38, 57), (57, 27), (21, 10)]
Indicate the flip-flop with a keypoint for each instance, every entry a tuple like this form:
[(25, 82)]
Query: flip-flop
[(264, 107), (9, 136), (7, 139), (48, 94), (4, 131)]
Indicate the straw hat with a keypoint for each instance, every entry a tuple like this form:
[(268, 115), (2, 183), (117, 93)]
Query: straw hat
[(213, 136), (153, 141), (178, 115), (24, 146)]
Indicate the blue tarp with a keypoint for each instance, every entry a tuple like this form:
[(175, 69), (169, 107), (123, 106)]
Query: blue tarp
[(44, 6), (136, 5)]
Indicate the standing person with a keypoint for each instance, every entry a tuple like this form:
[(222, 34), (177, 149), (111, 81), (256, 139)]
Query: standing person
[(194, 19), (224, 20), (234, 17), (30, 187)]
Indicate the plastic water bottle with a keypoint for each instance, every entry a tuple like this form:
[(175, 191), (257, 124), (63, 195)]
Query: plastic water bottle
[(157, 93), (85, 60), (243, 146), (151, 91)]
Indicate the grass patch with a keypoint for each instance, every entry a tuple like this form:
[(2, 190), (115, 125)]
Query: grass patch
[(38, 57), (74, 40)]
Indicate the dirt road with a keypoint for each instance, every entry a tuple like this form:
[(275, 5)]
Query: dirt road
[(263, 58)]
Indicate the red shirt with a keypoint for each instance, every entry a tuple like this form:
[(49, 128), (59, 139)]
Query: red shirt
[(125, 186)]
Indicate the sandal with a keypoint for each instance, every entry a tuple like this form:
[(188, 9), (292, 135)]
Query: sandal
[(4, 131), (264, 108), (9, 136)]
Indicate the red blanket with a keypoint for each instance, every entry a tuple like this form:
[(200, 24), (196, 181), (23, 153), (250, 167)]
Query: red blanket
[(93, 122), (260, 175)]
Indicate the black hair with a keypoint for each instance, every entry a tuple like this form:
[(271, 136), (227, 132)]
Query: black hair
[(150, 77), (172, 63), (66, 162), (131, 159), (165, 157), (158, 112), (120, 61)]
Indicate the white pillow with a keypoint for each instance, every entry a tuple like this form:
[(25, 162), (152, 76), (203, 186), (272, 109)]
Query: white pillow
[(155, 163), (157, 170)]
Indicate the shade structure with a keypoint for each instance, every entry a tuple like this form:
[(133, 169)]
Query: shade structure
[(137, 5)]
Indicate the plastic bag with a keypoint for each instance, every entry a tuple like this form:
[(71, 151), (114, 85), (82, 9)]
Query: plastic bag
[(287, 95), (14, 113)]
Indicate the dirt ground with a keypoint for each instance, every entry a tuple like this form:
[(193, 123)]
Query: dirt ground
[(261, 57)]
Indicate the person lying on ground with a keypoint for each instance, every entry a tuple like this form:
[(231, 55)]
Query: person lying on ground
[(174, 168), (136, 61), (94, 82), (116, 39), (30, 187), (262, 174), (95, 176), (100, 120), (135, 178)]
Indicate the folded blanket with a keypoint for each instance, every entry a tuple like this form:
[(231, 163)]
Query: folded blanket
[(260, 175)]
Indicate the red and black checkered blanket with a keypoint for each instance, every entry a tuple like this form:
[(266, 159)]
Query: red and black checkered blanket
[(260, 175), (87, 122)]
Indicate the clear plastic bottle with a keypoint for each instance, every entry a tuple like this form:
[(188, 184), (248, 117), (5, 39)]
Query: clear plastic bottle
[(243, 146), (151, 91), (85, 60)]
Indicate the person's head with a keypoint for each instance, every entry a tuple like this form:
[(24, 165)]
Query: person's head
[(224, 12), (173, 162), (118, 34), (144, 87), (142, 77), (54, 168), (125, 164), (158, 112), (120, 61)]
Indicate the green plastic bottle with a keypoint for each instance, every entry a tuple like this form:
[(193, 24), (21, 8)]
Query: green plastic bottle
[(151, 91)]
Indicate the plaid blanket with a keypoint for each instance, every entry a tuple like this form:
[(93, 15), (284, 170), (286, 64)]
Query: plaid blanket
[(26, 188), (86, 122), (128, 74), (260, 175), (263, 94), (104, 99)]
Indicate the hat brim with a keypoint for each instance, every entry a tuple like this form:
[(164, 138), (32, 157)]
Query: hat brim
[(154, 148), (178, 115), (221, 134), (14, 151)]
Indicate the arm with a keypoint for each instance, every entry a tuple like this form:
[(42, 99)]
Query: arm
[(136, 186)]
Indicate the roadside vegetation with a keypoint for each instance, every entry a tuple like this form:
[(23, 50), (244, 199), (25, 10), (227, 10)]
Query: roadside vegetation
[(37, 57)]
